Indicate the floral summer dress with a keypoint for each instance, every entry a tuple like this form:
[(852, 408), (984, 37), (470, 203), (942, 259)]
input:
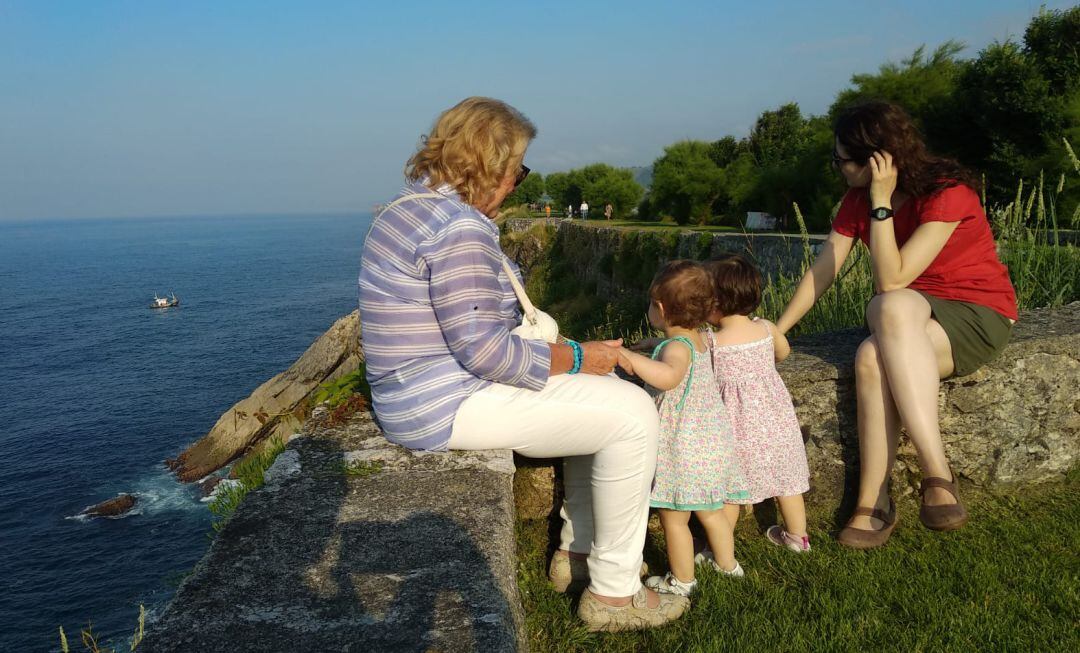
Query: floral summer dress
[(767, 436), (696, 465)]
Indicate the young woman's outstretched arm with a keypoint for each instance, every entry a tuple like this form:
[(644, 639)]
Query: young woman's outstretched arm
[(816, 280)]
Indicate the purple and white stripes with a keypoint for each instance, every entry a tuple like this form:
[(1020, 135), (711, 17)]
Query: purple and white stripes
[(436, 309)]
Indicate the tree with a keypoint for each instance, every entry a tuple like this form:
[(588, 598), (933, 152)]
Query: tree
[(616, 187), (778, 136), (686, 182), (1011, 113), (1052, 40), (725, 151), (530, 191), (558, 187), (926, 86)]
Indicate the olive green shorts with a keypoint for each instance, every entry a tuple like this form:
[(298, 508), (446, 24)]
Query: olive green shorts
[(976, 333)]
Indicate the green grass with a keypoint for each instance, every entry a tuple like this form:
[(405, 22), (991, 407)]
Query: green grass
[(361, 468), (250, 472), (1009, 580)]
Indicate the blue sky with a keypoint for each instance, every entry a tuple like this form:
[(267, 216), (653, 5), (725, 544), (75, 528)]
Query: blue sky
[(115, 109)]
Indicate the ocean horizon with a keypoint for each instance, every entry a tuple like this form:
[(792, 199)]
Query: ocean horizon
[(98, 389)]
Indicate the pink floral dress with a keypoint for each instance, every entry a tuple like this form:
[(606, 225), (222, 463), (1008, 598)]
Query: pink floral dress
[(768, 440), (696, 464)]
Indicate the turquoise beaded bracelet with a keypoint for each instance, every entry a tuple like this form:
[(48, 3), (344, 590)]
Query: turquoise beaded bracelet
[(579, 356)]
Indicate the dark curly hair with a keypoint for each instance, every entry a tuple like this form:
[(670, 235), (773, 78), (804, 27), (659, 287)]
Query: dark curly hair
[(867, 127), (686, 291), (737, 282)]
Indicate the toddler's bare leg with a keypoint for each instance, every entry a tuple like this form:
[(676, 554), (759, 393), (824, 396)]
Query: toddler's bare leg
[(680, 543), (721, 535), (794, 512)]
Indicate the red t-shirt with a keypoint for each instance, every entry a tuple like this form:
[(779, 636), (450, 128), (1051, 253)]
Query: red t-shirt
[(967, 269)]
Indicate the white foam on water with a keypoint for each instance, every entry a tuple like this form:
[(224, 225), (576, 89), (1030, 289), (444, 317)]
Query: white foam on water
[(225, 483), (159, 491), (156, 492)]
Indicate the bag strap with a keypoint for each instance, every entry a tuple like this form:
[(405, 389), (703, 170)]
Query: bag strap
[(526, 306), (690, 374)]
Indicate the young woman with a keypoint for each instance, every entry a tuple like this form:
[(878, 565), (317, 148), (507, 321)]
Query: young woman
[(943, 306)]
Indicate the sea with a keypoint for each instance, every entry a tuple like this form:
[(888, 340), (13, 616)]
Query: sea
[(97, 390)]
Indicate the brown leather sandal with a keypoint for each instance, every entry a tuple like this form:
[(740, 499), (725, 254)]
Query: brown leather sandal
[(942, 518), (862, 538)]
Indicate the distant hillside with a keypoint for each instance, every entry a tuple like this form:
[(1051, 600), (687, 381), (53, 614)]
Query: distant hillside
[(642, 175)]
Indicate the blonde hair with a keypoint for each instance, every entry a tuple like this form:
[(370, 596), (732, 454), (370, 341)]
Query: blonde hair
[(472, 147)]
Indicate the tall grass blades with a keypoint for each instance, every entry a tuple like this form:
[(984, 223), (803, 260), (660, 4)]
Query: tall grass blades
[(249, 475), (90, 641)]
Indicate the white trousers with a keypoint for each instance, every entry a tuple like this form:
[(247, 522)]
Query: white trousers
[(606, 430)]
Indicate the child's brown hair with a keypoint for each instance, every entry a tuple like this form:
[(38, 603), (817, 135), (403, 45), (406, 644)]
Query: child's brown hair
[(737, 282), (685, 289)]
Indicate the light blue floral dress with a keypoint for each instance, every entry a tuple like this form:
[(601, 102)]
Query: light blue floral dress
[(696, 465)]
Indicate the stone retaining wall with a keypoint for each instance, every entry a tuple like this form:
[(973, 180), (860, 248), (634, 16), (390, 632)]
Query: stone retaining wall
[(357, 545)]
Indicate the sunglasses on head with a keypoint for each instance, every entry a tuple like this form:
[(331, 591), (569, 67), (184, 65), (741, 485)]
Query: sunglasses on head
[(521, 175)]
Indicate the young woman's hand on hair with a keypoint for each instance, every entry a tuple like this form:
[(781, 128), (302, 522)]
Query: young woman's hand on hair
[(883, 179)]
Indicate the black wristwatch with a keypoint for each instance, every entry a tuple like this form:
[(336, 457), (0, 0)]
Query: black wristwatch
[(881, 213)]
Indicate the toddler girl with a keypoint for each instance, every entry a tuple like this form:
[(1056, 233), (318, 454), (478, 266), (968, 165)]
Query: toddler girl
[(768, 441), (696, 467)]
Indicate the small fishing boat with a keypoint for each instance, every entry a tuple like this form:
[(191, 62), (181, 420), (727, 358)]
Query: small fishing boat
[(165, 302)]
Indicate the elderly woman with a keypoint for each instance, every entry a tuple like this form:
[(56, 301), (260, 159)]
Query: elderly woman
[(944, 304), (447, 373)]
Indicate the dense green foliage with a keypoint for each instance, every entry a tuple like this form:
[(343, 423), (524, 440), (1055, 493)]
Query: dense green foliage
[(529, 192), (597, 184), (338, 391), (1004, 113), (1006, 582)]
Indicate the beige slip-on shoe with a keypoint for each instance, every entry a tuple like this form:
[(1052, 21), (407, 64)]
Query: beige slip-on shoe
[(636, 615)]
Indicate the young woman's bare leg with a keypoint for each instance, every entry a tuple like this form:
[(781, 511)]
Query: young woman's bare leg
[(915, 355)]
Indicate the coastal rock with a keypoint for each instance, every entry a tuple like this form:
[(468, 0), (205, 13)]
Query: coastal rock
[(277, 407), (111, 508), (207, 485)]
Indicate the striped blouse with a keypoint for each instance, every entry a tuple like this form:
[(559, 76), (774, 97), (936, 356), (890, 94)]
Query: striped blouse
[(436, 309)]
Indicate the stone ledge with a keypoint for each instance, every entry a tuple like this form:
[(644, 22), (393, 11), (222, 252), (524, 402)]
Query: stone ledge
[(402, 552), (1014, 421)]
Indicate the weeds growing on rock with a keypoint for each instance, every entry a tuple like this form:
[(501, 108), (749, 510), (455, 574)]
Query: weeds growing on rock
[(361, 468), (90, 641), (250, 474)]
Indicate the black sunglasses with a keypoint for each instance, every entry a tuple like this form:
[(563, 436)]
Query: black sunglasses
[(521, 175), (838, 160)]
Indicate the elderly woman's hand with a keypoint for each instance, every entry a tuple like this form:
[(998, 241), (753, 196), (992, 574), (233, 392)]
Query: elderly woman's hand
[(600, 357)]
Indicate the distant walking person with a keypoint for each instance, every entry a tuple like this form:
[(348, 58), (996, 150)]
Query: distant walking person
[(584, 210), (608, 210), (569, 211)]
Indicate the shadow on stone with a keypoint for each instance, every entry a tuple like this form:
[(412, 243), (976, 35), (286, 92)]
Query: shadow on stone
[(354, 544)]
